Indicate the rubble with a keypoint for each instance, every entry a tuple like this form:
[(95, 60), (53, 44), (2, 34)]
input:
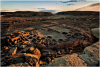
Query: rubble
[(32, 59), (13, 51), (23, 46), (20, 64)]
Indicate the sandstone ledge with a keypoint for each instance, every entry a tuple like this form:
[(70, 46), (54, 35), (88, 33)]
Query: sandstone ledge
[(90, 57), (69, 60)]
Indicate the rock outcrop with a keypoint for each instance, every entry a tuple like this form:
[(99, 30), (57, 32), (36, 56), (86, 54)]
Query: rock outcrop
[(95, 32), (90, 57), (69, 60), (91, 54)]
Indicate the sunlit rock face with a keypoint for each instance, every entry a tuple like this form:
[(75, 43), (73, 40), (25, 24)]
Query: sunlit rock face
[(91, 7)]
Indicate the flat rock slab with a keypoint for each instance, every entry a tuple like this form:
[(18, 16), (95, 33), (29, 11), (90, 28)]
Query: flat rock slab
[(69, 60), (29, 28), (54, 35), (60, 29)]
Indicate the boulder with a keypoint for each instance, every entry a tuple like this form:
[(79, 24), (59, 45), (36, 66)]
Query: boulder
[(15, 38), (68, 60), (37, 52), (91, 55), (13, 51), (23, 46), (6, 48), (95, 32), (32, 59), (31, 49)]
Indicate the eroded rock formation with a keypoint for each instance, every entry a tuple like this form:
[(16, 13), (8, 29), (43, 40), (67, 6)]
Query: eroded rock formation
[(89, 58)]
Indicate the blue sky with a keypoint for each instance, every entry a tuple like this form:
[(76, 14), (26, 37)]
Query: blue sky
[(53, 6)]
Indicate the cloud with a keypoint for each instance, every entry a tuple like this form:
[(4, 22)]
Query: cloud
[(72, 1), (39, 8), (69, 1), (4, 10), (64, 2), (70, 4)]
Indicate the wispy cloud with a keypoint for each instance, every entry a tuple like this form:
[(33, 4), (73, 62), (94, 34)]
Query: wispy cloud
[(70, 4), (39, 8), (71, 1)]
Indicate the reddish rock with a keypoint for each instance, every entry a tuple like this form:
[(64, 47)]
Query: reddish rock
[(14, 38), (76, 43), (63, 45), (37, 52), (31, 49), (41, 46), (6, 48), (67, 44), (23, 46), (32, 59)]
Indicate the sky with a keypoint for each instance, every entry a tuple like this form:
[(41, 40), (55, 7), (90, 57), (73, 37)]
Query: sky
[(53, 6)]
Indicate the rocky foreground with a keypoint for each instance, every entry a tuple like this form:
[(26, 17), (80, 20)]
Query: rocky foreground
[(21, 56)]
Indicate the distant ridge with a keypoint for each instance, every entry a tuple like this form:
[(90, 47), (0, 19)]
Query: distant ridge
[(78, 13), (25, 14)]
